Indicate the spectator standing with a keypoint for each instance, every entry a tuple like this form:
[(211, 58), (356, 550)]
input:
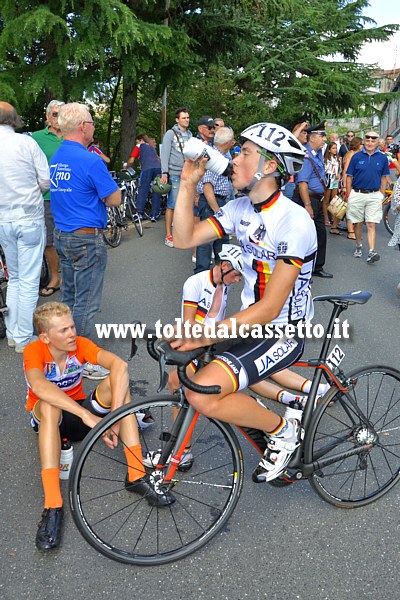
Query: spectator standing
[(332, 181), (219, 122), (355, 146), (150, 167), (206, 129), (24, 175), (81, 188), (345, 147), (365, 189), (95, 148), (215, 191), (299, 131), (393, 153), (172, 160), (49, 140), (310, 189)]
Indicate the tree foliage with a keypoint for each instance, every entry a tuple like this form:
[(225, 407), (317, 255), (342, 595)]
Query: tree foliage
[(246, 60)]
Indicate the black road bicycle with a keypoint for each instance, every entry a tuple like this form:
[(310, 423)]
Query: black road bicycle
[(350, 454), (117, 216)]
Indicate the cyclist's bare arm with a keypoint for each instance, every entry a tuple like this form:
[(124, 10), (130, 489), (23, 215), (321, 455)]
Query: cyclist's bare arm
[(187, 234), (262, 312), (113, 199), (119, 377)]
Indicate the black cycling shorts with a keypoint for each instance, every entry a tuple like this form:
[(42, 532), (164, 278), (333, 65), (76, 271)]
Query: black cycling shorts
[(251, 361), (71, 426)]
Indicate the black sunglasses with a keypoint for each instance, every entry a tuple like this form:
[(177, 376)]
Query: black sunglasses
[(371, 137)]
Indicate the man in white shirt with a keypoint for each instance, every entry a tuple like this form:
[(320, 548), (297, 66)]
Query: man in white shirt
[(24, 175)]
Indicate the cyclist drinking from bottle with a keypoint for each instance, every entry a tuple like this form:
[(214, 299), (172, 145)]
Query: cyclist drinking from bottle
[(279, 244)]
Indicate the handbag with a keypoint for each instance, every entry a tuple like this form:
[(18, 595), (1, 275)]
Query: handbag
[(338, 207)]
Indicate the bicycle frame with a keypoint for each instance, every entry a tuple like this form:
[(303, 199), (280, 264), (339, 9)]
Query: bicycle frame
[(187, 417)]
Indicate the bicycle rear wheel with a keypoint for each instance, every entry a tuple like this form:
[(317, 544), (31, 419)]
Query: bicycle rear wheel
[(122, 526), (113, 234), (388, 218), (367, 415)]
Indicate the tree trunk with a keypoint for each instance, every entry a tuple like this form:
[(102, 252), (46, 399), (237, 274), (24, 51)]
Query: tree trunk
[(128, 118)]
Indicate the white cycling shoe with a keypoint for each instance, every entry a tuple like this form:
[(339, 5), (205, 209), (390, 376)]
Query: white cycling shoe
[(278, 453)]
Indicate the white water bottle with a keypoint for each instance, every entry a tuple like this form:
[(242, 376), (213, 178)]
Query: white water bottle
[(66, 458), (294, 411)]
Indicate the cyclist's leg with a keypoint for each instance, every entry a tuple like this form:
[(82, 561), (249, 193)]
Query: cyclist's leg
[(237, 368)]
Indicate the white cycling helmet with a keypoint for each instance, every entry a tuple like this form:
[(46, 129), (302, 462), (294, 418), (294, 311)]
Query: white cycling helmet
[(232, 254), (281, 143)]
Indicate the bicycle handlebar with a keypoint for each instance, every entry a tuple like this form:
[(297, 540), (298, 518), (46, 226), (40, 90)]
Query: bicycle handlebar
[(161, 351)]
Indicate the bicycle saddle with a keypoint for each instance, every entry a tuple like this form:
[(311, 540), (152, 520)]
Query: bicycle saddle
[(350, 298)]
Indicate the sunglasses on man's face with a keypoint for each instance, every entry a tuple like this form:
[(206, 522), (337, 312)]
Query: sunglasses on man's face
[(371, 137)]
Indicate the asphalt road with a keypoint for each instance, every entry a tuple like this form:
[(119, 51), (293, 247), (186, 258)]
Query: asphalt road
[(279, 543)]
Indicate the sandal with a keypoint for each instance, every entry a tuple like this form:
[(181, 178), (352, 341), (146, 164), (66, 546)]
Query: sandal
[(335, 231), (351, 235), (49, 290)]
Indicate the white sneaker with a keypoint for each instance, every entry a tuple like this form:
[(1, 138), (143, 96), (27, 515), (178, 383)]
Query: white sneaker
[(194, 259), (95, 372), (357, 252), (150, 460), (372, 257), (169, 241), (278, 452), (11, 343)]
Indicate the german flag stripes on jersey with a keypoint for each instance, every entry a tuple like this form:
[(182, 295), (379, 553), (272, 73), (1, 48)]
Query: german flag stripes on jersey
[(198, 293), (275, 229)]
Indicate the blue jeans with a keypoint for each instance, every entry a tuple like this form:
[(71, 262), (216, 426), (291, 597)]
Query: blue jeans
[(23, 244), (203, 252), (175, 181), (83, 259), (146, 177)]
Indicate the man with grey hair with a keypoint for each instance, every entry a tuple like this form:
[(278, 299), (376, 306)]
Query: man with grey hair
[(365, 189), (215, 191), (24, 175), (81, 188), (49, 140)]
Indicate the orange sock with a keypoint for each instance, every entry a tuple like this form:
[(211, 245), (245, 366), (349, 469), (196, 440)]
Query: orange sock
[(134, 459), (51, 487)]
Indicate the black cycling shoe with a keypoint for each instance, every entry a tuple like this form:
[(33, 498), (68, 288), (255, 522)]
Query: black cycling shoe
[(48, 535), (144, 488)]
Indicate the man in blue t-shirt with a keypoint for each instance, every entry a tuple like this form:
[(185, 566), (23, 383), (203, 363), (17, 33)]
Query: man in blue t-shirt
[(80, 188), (365, 190)]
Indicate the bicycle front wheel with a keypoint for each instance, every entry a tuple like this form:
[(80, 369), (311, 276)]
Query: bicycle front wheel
[(112, 235), (134, 215), (365, 417), (123, 526)]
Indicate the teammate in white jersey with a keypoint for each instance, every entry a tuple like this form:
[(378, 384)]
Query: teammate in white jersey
[(279, 244)]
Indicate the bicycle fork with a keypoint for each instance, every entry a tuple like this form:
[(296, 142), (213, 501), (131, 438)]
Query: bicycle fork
[(177, 441)]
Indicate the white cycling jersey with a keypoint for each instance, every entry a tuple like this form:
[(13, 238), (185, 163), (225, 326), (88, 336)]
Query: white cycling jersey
[(274, 229), (198, 291)]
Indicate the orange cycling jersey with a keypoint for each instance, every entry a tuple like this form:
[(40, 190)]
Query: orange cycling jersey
[(38, 356)]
